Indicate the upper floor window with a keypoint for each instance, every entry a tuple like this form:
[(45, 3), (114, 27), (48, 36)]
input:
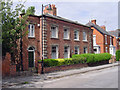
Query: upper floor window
[(76, 35), (66, 34), (94, 40), (110, 40), (105, 39), (76, 50), (54, 32), (31, 29), (84, 36)]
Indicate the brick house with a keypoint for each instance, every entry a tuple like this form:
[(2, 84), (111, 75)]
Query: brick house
[(116, 39), (61, 38), (102, 40)]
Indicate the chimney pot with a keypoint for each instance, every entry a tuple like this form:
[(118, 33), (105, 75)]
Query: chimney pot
[(93, 21)]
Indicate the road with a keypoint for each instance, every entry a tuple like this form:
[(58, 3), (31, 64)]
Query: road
[(105, 78)]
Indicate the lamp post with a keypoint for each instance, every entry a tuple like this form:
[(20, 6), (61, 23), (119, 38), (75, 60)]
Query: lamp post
[(49, 8)]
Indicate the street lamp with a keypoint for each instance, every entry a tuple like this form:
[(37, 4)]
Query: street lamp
[(49, 8)]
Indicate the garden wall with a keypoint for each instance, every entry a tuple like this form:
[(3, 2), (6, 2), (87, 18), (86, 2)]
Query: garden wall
[(7, 68), (60, 68)]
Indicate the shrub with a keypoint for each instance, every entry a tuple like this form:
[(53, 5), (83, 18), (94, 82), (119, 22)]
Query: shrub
[(68, 61), (49, 62), (60, 61), (117, 55), (91, 58)]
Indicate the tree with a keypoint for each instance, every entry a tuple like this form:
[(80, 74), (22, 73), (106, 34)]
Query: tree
[(30, 10), (12, 28)]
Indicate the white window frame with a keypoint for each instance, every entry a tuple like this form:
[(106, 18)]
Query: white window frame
[(30, 30), (68, 34), (85, 49), (84, 36), (76, 47), (106, 49), (68, 50), (94, 40), (56, 51), (77, 39), (110, 40), (56, 29), (105, 39)]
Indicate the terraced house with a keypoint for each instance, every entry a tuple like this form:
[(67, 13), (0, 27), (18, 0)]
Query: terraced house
[(102, 40), (61, 38), (116, 39)]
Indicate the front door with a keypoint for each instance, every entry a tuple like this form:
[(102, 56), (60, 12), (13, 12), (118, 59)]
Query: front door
[(31, 58)]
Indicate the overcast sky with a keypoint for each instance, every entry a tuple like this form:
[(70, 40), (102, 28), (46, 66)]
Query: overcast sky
[(106, 13)]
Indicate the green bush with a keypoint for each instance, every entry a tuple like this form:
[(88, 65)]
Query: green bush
[(76, 59), (50, 62), (91, 58), (117, 55)]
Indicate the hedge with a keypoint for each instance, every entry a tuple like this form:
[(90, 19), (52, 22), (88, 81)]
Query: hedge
[(117, 55), (76, 59), (92, 58)]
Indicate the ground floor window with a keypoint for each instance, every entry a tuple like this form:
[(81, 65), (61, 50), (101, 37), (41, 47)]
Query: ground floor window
[(66, 52), (76, 50), (54, 52), (106, 49), (85, 50)]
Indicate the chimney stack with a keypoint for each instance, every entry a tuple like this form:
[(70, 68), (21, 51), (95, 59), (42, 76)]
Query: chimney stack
[(103, 27), (93, 21), (53, 11)]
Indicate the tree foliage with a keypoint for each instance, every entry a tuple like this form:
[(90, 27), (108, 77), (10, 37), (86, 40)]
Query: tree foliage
[(30, 10), (12, 26)]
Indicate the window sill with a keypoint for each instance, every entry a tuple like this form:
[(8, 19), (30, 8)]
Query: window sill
[(84, 40), (66, 39), (76, 40), (31, 37), (54, 38)]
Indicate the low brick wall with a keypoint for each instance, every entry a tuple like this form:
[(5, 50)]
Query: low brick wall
[(60, 68), (7, 68)]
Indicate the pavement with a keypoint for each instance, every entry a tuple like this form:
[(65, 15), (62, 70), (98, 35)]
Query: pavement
[(21, 80)]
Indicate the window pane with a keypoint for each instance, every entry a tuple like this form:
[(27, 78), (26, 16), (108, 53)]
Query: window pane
[(28, 30), (54, 32), (75, 35)]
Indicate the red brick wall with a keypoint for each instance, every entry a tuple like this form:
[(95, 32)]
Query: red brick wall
[(100, 40), (60, 68), (61, 42), (35, 42), (7, 68)]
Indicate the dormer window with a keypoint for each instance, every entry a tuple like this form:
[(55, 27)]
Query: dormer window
[(31, 30)]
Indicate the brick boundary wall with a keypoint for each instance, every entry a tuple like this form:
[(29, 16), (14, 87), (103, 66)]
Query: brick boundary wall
[(60, 68), (7, 68)]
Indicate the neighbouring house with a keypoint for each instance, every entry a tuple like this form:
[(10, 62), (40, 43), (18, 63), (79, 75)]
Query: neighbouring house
[(61, 38), (116, 39), (102, 40)]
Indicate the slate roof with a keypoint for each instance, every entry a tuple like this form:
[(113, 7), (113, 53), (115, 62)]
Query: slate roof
[(115, 33), (98, 28), (60, 18)]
